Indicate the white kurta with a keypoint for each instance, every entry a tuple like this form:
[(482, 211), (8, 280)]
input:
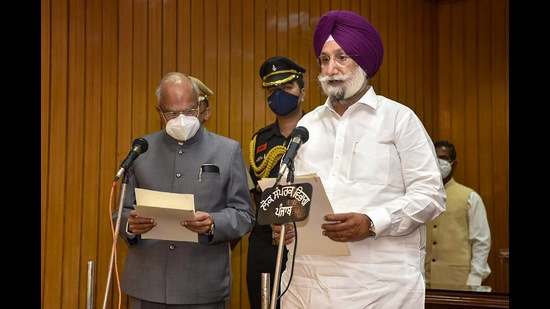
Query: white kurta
[(376, 159)]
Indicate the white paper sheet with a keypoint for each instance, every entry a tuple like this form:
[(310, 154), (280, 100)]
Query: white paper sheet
[(168, 210), (310, 234)]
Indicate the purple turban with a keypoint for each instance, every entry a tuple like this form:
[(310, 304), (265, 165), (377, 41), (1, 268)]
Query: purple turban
[(357, 37)]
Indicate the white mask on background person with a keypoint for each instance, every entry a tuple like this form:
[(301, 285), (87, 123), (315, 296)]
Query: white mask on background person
[(182, 127), (444, 167)]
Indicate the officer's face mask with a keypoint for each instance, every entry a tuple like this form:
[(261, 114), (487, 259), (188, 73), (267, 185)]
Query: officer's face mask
[(282, 102)]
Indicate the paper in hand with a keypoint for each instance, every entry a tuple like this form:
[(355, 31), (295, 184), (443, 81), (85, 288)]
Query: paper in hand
[(310, 234), (168, 210)]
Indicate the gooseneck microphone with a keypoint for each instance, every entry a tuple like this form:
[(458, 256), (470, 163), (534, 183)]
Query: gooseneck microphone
[(299, 136), (139, 146)]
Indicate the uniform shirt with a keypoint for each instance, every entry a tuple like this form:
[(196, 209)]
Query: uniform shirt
[(459, 240), (178, 272), (376, 159), (267, 138), (262, 252)]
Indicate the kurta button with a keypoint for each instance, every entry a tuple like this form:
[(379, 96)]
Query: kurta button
[(433, 260), (180, 151), (178, 175), (172, 247), (435, 242)]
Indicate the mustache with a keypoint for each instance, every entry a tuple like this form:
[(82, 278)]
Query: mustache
[(338, 77)]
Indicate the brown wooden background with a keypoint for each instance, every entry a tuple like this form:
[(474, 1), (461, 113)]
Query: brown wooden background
[(102, 59)]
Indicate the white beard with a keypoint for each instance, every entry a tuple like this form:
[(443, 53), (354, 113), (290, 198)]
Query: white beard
[(353, 83)]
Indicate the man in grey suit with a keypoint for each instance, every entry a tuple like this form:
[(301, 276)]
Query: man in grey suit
[(185, 158)]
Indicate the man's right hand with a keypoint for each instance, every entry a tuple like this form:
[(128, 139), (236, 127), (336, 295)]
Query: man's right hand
[(289, 232), (139, 225)]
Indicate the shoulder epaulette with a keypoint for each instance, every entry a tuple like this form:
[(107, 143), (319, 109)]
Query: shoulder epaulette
[(266, 128)]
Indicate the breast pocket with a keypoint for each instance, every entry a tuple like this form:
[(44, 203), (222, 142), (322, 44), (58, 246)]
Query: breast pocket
[(369, 163), (209, 188)]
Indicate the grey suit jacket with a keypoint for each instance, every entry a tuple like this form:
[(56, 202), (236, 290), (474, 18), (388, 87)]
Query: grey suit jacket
[(176, 272)]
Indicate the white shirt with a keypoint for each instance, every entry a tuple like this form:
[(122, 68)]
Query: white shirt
[(376, 159), (480, 237)]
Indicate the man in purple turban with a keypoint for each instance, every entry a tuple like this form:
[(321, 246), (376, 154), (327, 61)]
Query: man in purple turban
[(357, 37), (379, 169)]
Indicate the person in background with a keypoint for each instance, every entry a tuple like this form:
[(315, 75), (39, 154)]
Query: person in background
[(379, 169), (204, 92), (185, 158), (284, 84), (458, 241)]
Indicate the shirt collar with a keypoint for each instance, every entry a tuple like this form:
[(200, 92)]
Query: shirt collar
[(369, 98)]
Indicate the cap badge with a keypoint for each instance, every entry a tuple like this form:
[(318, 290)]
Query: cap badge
[(273, 68)]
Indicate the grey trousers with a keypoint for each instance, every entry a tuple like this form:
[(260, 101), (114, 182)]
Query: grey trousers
[(136, 303)]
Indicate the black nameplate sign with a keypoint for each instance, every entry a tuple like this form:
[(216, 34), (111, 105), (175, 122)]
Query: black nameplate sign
[(282, 204)]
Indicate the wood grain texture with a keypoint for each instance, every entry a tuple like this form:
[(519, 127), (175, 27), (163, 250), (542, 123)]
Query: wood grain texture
[(102, 60)]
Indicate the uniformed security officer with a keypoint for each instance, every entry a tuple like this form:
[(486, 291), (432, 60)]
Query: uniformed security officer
[(284, 83)]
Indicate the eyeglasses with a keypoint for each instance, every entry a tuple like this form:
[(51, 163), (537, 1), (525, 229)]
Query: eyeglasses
[(173, 114), (340, 59)]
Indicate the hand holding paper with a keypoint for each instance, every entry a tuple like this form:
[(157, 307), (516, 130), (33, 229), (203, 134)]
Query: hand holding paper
[(168, 210), (202, 223), (139, 225), (309, 231)]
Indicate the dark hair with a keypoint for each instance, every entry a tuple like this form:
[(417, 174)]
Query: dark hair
[(452, 150), (300, 81)]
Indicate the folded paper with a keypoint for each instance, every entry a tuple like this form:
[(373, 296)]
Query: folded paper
[(168, 210)]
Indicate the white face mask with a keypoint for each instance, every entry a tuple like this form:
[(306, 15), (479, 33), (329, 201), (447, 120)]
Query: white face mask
[(444, 167), (183, 127)]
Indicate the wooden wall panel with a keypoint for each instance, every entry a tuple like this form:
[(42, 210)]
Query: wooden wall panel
[(156, 47), (224, 68), (74, 229), (429, 50), (470, 82), (314, 96), (402, 50), (57, 156), (485, 120), (109, 125), (456, 78), (473, 106), (211, 52), (259, 30), (500, 133), (444, 68), (235, 70), (249, 76), (411, 60), (390, 63), (102, 60), (124, 137), (379, 18)]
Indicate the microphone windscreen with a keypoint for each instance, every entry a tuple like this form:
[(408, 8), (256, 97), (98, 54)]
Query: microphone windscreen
[(300, 132), (141, 143)]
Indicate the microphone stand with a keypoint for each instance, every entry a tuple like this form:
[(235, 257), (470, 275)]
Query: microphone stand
[(290, 180), (115, 238)]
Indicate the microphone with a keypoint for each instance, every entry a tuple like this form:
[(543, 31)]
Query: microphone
[(139, 146), (299, 136)]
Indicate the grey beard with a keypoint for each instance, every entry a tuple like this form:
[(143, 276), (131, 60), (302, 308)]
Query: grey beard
[(357, 82)]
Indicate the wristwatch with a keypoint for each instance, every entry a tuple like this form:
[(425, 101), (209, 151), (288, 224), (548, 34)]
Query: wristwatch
[(211, 230)]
